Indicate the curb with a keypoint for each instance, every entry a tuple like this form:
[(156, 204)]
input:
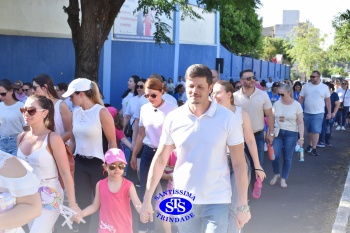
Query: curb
[(343, 211)]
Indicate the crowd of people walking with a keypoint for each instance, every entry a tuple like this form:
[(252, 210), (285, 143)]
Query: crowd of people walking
[(202, 136)]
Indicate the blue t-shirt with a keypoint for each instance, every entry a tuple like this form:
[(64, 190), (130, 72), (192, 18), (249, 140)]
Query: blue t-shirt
[(273, 97), (334, 97)]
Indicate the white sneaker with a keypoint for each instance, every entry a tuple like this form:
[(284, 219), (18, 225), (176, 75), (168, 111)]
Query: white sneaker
[(342, 128), (274, 179), (338, 128), (283, 183)]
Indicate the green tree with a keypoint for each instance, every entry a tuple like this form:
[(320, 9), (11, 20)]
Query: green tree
[(240, 30), (306, 51), (273, 46), (341, 49), (97, 17)]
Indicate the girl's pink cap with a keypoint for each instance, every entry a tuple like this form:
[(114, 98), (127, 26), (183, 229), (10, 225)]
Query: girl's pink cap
[(115, 155)]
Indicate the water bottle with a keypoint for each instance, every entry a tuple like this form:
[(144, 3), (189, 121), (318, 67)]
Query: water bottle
[(331, 121), (257, 188), (270, 152), (301, 154)]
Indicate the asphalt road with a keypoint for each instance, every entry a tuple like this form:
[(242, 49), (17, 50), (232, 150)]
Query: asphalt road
[(310, 201)]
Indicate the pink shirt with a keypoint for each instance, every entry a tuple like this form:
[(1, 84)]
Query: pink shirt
[(115, 211), (119, 133)]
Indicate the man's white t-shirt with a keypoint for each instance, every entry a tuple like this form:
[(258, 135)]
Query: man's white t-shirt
[(202, 167), (314, 97), (268, 86)]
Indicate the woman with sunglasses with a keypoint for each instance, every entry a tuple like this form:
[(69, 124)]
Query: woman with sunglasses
[(344, 98), (91, 120), (43, 85), (11, 119), (38, 113), (130, 92), (20, 202), (151, 120), (289, 124), (28, 89), (223, 95), (129, 118)]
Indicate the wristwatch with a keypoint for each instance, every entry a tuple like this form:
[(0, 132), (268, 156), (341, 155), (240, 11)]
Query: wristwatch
[(272, 134), (244, 209)]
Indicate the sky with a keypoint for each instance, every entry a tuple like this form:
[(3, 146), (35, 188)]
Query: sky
[(319, 12)]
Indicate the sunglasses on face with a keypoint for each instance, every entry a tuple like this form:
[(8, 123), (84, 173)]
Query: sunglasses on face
[(139, 86), (31, 111), (152, 95), (76, 92), (344, 84), (25, 90), (313, 76), (280, 94), (16, 89), (113, 167), (35, 87), (3, 94), (250, 78)]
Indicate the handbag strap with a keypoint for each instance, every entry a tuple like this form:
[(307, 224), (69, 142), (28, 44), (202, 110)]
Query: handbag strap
[(344, 95)]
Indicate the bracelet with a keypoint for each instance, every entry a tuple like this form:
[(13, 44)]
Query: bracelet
[(301, 138), (257, 169)]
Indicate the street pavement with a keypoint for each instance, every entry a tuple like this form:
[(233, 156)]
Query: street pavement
[(309, 203)]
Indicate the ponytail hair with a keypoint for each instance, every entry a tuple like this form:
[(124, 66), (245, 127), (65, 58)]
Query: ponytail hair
[(94, 94), (44, 80), (46, 103)]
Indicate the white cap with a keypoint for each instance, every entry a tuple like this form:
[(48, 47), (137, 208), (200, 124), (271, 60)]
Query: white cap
[(79, 84)]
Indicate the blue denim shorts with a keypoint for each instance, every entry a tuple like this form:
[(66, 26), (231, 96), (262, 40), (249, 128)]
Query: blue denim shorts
[(9, 144), (313, 122)]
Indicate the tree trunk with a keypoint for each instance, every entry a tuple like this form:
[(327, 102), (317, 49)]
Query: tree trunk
[(89, 34)]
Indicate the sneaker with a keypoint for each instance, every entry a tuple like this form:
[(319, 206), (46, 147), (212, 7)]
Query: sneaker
[(330, 145), (314, 152), (321, 144), (308, 149), (342, 128), (274, 179), (338, 128), (335, 124), (283, 183)]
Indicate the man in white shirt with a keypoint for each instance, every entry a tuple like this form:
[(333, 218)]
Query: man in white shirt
[(269, 84), (201, 130), (314, 95)]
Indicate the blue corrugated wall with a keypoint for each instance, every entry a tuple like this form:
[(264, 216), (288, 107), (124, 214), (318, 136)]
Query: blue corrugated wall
[(23, 57)]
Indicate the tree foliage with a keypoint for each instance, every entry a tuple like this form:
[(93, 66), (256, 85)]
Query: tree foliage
[(273, 46), (240, 30), (341, 48), (97, 17), (306, 51)]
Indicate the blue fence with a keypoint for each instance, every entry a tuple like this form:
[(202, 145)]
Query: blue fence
[(23, 57)]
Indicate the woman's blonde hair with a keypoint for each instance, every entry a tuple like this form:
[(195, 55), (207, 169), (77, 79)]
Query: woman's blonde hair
[(94, 94), (228, 88)]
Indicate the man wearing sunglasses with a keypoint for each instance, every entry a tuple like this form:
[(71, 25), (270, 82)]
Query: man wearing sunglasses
[(201, 130), (257, 104), (315, 95)]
